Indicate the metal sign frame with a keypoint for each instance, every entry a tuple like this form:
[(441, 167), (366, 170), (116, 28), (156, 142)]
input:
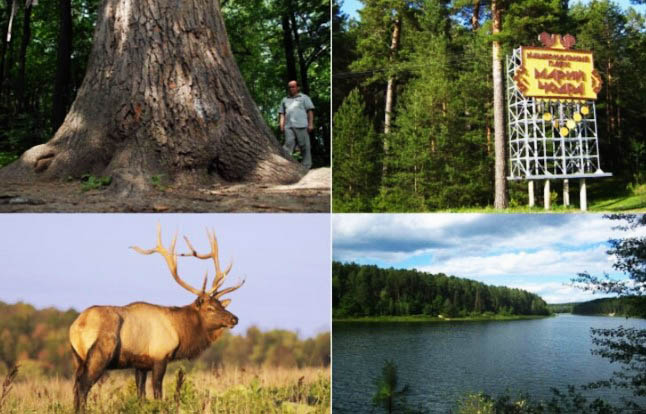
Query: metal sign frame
[(537, 150)]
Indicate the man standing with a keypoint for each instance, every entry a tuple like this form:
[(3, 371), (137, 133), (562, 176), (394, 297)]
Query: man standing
[(297, 121)]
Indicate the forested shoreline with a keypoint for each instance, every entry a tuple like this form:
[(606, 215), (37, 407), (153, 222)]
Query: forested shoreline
[(629, 306), (433, 61), (370, 291), (37, 340)]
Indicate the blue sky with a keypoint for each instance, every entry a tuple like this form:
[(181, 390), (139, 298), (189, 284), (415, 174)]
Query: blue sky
[(539, 253), (351, 6), (79, 260)]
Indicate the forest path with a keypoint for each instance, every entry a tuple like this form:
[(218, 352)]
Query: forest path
[(311, 194)]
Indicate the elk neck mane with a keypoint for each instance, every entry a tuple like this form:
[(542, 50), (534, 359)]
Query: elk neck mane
[(193, 337)]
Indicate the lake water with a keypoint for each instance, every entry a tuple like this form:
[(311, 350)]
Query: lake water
[(442, 362)]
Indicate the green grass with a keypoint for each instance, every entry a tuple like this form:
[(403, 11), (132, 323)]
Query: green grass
[(245, 391), (90, 182), (611, 194), (7, 158), (426, 318)]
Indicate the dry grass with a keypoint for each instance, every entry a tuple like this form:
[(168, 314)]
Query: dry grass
[(224, 391)]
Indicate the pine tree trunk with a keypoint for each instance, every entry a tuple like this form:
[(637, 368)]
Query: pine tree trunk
[(390, 89), (500, 185), (162, 95), (475, 17), (63, 80)]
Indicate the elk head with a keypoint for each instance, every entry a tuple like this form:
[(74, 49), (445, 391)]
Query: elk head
[(211, 310)]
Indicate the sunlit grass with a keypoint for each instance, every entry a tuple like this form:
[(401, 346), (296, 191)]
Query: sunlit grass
[(267, 390)]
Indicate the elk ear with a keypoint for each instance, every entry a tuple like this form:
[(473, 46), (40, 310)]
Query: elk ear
[(225, 303), (199, 301)]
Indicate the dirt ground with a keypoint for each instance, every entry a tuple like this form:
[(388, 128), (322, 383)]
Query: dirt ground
[(311, 194)]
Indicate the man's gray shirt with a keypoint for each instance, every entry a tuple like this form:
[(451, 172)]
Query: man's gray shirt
[(295, 110)]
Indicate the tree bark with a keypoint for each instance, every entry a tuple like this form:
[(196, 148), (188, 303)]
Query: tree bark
[(500, 185), (63, 80), (390, 89), (302, 64), (26, 37), (9, 49), (162, 95), (288, 46), (3, 45), (475, 17)]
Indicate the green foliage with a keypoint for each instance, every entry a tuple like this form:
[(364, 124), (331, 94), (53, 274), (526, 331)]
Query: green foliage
[(157, 181), (356, 166), (7, 158), (25, 123), (624, 306), (560, 403), (361, 290), (388, 396), (38, 340), (440, 149), (296, 398), (476, 404), (561, 307), (255, 36), (627, 346), (90, 182)]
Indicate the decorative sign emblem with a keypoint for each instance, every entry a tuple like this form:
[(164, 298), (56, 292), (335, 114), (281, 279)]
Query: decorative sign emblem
[(557, 73)]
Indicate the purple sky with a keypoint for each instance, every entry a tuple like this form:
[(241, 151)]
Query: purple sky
[(79, 260)]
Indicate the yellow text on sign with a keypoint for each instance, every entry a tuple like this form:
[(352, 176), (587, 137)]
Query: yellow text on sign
[(558, 74)]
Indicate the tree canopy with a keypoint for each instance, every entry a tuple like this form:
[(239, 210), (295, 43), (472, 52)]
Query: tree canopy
[(440, 148), (627, 346), (363, 290)]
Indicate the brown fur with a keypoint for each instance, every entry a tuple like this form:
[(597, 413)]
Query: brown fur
[(142, 336)]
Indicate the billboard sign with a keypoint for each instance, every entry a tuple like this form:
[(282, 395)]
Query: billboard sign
[(555, 72)]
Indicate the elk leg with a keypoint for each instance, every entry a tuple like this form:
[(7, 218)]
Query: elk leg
[(159, 369), (78, 372), (95, 364), (79, 401), (140, 379)]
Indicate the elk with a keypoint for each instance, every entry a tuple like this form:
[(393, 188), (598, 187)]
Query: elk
[(146, 337)]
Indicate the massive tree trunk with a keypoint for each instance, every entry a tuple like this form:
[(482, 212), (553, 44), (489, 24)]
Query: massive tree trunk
[(162, 95), (63, 81), (500, 184)]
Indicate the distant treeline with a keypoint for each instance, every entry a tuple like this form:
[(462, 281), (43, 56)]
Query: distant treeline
[(561, 307), (37, 340), (625, 306), (359, 290)]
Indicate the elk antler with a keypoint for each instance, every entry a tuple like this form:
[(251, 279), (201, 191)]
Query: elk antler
[(219, 274), (171, 259)]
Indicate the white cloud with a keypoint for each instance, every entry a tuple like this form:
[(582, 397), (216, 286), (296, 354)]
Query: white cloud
[(544, 262), (556, 292), (493, 248)]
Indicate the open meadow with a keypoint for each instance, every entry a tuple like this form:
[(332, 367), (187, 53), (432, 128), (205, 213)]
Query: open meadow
[(228, 390)]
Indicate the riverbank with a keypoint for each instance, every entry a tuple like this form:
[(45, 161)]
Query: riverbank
[(426, 318)]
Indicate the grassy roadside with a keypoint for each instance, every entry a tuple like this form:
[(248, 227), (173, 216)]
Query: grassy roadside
[(605, 195), (435, 319)]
